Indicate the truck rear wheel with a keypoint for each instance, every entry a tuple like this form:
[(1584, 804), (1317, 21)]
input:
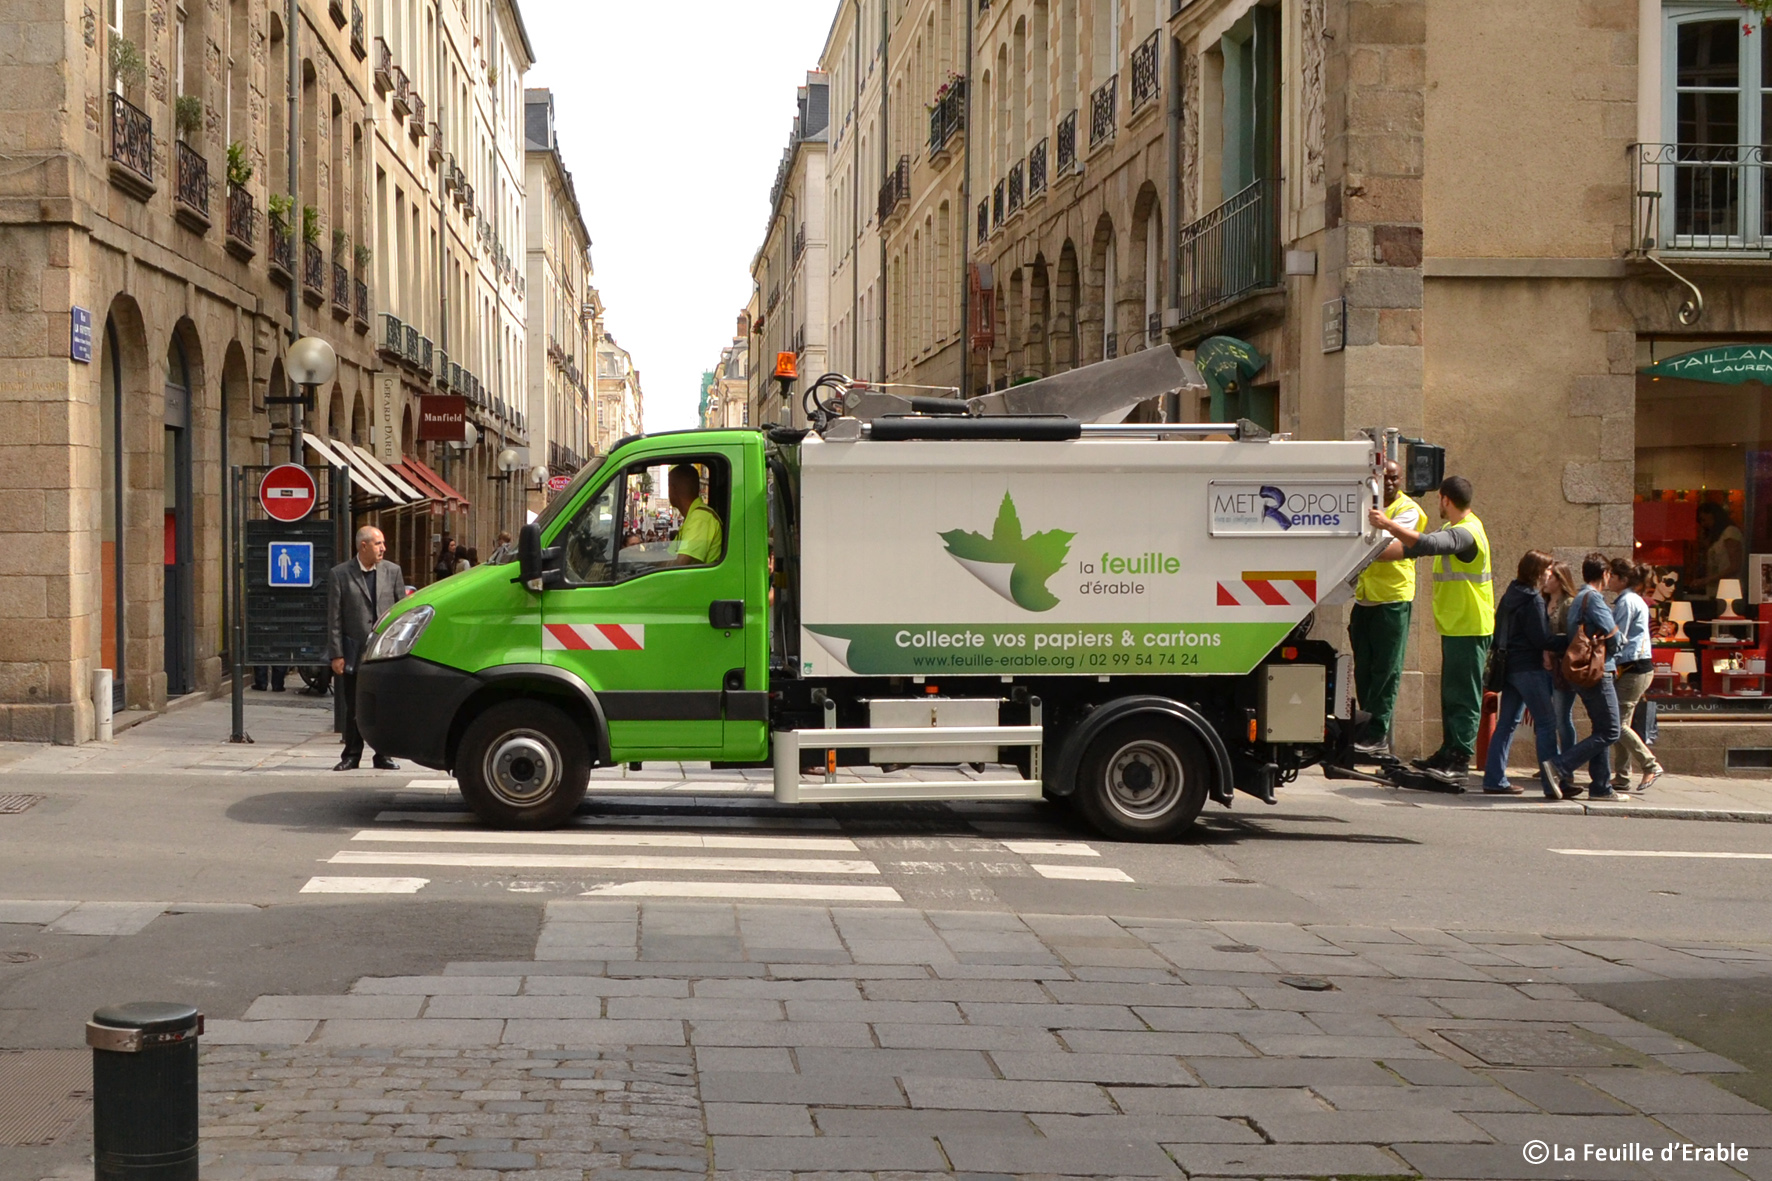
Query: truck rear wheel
[(1142, 779), (523, 764)]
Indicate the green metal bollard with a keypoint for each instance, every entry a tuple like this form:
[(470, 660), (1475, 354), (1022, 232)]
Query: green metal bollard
[(144, 1091)]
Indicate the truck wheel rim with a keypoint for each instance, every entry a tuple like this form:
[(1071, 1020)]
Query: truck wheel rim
[(522, 767), (1144, 780)]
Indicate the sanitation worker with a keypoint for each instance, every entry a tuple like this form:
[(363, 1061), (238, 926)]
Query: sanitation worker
[(701, 536), (1384, 600), (1464, 615)]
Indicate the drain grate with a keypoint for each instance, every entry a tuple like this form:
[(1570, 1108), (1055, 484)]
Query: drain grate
[(42, 1094), (16, 802)]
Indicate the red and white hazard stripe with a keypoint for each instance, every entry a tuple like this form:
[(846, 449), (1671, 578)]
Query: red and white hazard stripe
[(593, 637), (1270, 588)]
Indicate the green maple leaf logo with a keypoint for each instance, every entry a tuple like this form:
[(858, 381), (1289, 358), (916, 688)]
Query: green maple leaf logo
[(1030, 561)]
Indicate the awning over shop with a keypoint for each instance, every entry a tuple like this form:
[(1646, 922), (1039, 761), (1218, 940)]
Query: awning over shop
[(389, 476), (1731, 364), (435, 486), (363, 478)]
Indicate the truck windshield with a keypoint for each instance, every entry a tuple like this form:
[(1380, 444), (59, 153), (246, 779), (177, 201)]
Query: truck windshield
[(557, 504)]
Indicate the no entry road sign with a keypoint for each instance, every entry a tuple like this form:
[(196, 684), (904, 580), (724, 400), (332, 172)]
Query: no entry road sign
[(287, 492)]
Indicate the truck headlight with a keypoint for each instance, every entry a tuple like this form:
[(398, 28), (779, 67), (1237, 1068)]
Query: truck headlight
[(399, 636)]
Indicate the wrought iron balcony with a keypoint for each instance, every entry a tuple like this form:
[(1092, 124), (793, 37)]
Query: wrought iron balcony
[(313, 270), (1146, 82), (1110, 345), (1037, 170), (336, 10), (997, 206), (897, 189), (799, 242), (402, 99), (384, 67), (362, 292), (282, 251), (1711, 199), (1154, 327), (426, 353), (1104, 105), (416, 126), (1067, 144), (1228, 253), (341, 289), (411, 350), (984, 219), (393, 335), (357, 31), (242, 228), (435, 150), (442, 369), (132, 138), (1016, 183), (947, 117), (192, 179)]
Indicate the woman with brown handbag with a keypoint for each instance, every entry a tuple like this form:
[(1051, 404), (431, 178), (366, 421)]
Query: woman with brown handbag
[(1587, 666)]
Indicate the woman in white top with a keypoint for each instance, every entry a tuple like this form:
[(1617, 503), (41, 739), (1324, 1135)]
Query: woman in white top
[(1636, 671)]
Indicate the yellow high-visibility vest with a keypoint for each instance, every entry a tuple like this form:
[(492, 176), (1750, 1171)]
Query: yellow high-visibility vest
[(1464, 592), (1392, 582)]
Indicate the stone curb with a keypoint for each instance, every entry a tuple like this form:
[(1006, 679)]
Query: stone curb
[(1577, 808)]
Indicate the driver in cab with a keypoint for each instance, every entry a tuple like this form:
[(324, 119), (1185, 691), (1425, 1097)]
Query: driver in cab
[(702, 537)]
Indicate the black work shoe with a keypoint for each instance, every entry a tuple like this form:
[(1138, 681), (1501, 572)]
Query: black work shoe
[(1455, 765), (1433, 762), (1373, 750), (384, 763), (346, 765)]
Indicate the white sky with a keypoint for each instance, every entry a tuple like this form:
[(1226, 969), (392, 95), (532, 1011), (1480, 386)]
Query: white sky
[(672, 117)]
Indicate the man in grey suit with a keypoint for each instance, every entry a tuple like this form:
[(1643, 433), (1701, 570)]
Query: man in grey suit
[(358, 592)]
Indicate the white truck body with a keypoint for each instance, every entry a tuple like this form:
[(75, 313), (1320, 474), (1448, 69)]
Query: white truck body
[(1094, 557)]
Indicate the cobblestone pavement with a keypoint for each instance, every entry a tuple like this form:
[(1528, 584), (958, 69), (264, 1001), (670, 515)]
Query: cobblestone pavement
[(661, 1039)]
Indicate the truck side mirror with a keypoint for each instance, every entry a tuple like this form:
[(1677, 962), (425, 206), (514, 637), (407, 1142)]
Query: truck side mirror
[(537, 568), (1424, 467)]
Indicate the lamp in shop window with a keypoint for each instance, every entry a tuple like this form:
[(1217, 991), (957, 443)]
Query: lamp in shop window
[(1679, 612), (1685, 664), (1728, 590)]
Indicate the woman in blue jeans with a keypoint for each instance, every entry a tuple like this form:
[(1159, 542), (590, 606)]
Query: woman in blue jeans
[(1523, 633)]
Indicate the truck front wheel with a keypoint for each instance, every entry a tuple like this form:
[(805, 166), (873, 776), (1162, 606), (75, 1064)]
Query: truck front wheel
[(1142, 779), (523, 764)]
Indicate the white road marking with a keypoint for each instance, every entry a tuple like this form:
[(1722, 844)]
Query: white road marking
[(598, 861), (1662, 853), (428, 785), (795, 891), (1082, 873), (1050, 848), (667, 840), (365, 885), (821, 823)]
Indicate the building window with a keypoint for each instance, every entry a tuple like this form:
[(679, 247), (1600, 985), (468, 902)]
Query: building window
[(1717, 109)]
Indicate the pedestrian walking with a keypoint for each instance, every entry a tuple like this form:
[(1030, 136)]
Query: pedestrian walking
[(358, 592), (1636, 671), (444, 566), (506, 552), (1523, 633), (1378, 627), (1464, 615), (1591, 624), (1564, 587)]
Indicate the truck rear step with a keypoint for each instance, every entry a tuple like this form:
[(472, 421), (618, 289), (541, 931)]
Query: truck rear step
[(792, 788)]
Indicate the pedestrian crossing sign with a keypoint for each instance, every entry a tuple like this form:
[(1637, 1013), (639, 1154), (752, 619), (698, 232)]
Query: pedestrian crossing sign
[(291, 564)]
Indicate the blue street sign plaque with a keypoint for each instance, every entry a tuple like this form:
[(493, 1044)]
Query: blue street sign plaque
[(291, 564), (80, 335)]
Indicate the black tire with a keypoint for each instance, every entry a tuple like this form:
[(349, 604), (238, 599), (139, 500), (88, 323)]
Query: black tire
[(523, 764), (1143, 779)]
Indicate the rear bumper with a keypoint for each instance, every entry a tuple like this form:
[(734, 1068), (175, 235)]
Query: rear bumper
[(405, 707)]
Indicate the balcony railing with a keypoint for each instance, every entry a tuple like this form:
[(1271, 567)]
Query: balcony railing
[(192, 177), (1153, 328), (897, 188), (435, 151), (282, 250), (1067, 144), (336, 10), (417, 124), (1103, 107), (242, 221), (393, 335), (1228, 253), (1146, 83), (1016, 183), (402, 100), (1703, 198), (357, 31), (1110, 345), (799, 242), (132, 138), (313, 270), (341, 289), (362, 292), (411, 350), (947, 117), (997, 201), (1037, 170), (984, 219), (384, 67)]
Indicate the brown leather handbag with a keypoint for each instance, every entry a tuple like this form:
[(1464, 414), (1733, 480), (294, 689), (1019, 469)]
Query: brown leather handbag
[(1584, 661)]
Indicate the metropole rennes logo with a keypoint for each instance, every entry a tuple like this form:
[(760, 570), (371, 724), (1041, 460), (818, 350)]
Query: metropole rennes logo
[(1014, 566)]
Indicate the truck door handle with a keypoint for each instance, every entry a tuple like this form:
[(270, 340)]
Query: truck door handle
[(726, 614)]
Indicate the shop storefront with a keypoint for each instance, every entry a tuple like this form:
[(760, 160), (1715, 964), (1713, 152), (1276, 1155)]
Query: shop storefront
[(1703, 518)]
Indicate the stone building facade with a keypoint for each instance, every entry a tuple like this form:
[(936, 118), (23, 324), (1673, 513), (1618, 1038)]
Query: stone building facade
[(856, 158), (620, 402), (726, 400), (791, 269)]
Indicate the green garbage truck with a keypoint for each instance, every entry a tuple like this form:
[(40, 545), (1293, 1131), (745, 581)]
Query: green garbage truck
[(1113, 614)]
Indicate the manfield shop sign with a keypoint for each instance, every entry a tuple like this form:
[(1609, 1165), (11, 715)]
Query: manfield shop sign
[(1733, 364)]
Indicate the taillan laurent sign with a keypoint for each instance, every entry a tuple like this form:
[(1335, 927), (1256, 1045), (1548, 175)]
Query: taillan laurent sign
[(1732, 364)]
